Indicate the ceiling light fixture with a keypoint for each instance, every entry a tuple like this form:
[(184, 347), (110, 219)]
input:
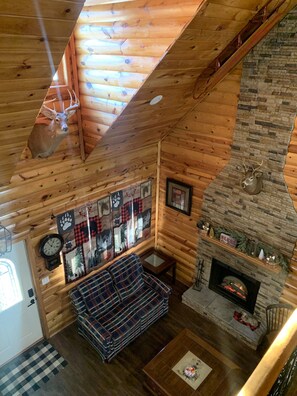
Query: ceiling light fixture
[(156, 100)]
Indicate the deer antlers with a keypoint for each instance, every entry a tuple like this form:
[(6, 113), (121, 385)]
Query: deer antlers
[(259, 166), (251, 167), (74, 104), (252, 180)]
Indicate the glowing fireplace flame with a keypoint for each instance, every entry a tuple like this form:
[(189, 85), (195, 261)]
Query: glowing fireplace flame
[(235, 286)]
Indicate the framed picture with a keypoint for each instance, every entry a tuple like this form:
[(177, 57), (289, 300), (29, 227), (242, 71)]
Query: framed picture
[(104, 206), (120, 239), (179, 196), (74, 264), (145, 189)]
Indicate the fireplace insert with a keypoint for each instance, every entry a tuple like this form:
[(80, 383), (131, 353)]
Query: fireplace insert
[(233, 285)]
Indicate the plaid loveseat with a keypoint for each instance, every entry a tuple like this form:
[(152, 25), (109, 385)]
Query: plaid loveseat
[(118, 304)]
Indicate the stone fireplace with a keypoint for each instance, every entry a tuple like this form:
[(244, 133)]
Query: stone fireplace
[(234, 285), (265, 119)]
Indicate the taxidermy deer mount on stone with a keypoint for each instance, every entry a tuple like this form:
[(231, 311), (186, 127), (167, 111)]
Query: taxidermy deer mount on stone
[(45, 138), (252, 181)]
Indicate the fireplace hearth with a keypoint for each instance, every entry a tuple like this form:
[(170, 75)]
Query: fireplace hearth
[(234, 285)]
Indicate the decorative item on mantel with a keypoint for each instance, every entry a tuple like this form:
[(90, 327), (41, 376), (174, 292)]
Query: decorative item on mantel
[(248, 246), (203, 227), (229, 240), (252, 247), (261, 255)]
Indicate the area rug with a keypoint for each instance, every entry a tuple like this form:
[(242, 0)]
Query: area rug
[(25, 374)]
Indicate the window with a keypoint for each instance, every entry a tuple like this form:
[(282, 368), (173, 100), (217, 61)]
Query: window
[(10, 292), (64, 74), (60, 77)]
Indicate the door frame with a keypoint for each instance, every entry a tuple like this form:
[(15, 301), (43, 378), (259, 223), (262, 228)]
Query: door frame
[(33, 275), (36, 283)]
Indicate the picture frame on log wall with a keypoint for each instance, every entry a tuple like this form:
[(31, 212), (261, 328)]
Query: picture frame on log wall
[(179, 196)]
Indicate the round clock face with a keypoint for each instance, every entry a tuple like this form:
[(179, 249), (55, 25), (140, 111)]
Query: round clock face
[(51, 245)]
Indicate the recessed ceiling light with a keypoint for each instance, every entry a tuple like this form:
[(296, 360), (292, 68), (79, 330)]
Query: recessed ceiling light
[(156, 100)]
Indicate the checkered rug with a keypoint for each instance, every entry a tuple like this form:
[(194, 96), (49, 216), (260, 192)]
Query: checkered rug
[(25, 374)]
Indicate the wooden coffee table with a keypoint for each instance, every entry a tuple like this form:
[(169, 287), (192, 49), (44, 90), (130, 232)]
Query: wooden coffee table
[(160, 379), (157, 262)]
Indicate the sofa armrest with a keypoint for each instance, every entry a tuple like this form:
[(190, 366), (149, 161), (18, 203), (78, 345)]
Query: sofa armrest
[(157, 285), (77, 302)]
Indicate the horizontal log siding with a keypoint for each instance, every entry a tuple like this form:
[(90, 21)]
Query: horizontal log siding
[(290, 172), (118, 45), (203, 38), (42, 189), (194, 152), (26, 67)]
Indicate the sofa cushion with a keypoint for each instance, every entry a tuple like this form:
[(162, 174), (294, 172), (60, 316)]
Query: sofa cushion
[(127, 275), (99, 293), (148, 306)]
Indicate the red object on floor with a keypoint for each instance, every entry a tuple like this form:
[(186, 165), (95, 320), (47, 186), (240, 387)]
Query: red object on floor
[(238, 316)]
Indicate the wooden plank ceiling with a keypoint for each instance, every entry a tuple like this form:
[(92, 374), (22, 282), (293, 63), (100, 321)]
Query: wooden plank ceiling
[(118, 45), (33, 37), (215, 24), (120, 70)]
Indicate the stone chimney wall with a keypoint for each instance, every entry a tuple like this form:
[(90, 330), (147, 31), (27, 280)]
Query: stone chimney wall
[(266, 114)]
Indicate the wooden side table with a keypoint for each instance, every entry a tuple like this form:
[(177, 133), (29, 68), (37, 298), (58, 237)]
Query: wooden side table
[(158, 263)]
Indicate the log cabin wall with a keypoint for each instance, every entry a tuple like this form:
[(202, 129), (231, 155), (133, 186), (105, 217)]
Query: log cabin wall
[(194, 152), (33, 37), (41, 189), (193, 168), (132, 139), (289, 293), (118, 45), (37, 194), (215, 23)]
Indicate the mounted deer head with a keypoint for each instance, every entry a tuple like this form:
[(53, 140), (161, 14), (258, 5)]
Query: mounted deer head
[(45, 138), (252, 182)]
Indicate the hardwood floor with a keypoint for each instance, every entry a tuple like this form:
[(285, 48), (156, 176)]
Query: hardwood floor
[(86, 374)]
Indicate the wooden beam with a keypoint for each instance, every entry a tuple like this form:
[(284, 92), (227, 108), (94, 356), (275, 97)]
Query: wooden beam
[(71, 52), (206, 82)]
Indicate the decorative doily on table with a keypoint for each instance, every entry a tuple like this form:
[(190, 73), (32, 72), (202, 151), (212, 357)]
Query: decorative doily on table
[(192, 370)]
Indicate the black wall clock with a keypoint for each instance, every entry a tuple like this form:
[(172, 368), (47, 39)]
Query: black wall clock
[(50, 247)]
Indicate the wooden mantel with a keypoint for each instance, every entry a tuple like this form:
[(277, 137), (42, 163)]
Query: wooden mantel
[(253, 260)]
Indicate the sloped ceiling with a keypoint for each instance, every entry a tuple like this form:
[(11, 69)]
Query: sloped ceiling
[(118, 45), (33, 37), (28, 29), (216, 23)]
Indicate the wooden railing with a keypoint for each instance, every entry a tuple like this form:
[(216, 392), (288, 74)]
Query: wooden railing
[(269, 368)]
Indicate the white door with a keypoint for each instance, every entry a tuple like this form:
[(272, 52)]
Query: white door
[(19, 319)]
